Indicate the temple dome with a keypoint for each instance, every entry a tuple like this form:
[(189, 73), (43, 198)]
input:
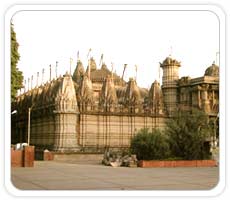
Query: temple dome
[(170, 62), (212, 70)]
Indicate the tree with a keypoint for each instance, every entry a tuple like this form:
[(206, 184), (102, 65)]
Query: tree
[(188, 134), (150, 145), (16, 75)]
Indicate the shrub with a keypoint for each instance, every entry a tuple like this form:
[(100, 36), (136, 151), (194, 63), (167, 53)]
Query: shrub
[(150, 145), (188, 133)]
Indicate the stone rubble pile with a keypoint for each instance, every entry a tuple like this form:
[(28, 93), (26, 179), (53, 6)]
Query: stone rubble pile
[(118, 158)]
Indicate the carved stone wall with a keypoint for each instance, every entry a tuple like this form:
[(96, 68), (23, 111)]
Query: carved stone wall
[(99, 131)]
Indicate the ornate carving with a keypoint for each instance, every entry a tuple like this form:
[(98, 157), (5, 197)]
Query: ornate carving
[(85, 93), (184, 80), (66, 95), (155, 99), (108, 96), (170, 62), (132, 94)]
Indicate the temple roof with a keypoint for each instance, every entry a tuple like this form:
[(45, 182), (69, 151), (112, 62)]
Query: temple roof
[(170, 62), (100, 75), (96, 75), (212, 70)]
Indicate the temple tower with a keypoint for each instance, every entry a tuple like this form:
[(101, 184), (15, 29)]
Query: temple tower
[(169, 83), (155, 99), (66, 115), (108, 96)]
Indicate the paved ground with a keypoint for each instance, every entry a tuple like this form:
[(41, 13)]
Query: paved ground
[(53, 175)]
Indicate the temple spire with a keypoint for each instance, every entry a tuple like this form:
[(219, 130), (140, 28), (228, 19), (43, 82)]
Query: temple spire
[(56, 69), (125, 66), (24, 86), (88, 57), (71, 61), (32, 77), (37, 79), (101, 60), (112, 70), (43, 73), (50, 72), (28, 84), (136, 72), (78, 57)]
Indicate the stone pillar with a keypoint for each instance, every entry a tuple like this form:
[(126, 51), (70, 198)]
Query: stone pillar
[(198, 98), (204, 99), (66, 132), (213, 99)]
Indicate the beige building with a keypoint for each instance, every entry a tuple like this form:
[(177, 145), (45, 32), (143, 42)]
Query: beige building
[(95, 109)]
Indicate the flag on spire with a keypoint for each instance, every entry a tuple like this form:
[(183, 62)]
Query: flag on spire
[(125, 65), (32, 77), (50, 72), (71, 61), (43, 74), (78, 57), (101, 60), (56, 68), (89, 52), (136, 71)]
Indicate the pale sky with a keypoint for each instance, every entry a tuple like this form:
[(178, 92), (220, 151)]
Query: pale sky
[(142, 38)]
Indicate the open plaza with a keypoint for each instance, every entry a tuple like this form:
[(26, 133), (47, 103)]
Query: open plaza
[(72, 175)]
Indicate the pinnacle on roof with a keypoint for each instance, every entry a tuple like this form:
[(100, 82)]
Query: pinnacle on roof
[(170, 62)]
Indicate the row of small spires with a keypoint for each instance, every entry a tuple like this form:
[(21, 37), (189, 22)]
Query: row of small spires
[(24, 90), (30, 81)]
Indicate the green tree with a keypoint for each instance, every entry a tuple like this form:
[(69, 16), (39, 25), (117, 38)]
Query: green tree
[(188, 133), (150, 145), (16, 75)]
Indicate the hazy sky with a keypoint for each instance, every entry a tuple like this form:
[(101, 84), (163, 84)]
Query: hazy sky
[(142, 38)]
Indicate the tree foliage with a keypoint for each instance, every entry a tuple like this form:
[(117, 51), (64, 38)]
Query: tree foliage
[(150, 145), (16, 75), (188, 133)]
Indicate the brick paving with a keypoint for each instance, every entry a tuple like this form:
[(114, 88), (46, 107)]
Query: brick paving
[(54, 175)]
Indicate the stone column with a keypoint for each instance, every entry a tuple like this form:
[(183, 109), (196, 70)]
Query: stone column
[(199, 97), (204, 97), (66, 132)]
